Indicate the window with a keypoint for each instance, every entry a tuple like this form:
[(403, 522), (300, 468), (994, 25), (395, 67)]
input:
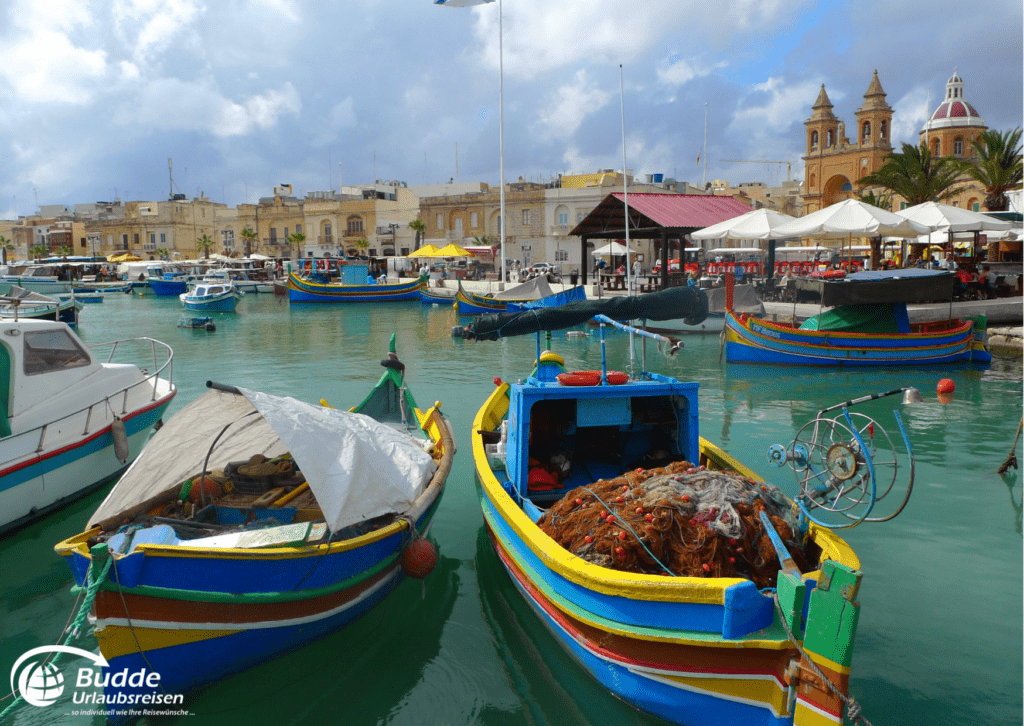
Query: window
[(473, 220), (958, 147), (136, 239), (883, 130), (866, 135), (903, 205), (561, 255), (563, 219), (975, 207), (579, 217), (83, 242), (50, 351), (828, 139), (935, 147), (298, 229), (273, 235), (163, 239), (151, 242), (440, 221), (526, 217), (228, 238), (814, 138), (355, 225), (372, 252)]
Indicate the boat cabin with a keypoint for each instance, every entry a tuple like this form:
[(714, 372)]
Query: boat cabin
[(594, 432), (208, 290)]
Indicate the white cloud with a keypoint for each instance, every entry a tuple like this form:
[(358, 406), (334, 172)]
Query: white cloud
[(282, 7), (62, 15), (175, 104), (153, 24), (909, 114), (675, 71), (44, 67), (569, 105)]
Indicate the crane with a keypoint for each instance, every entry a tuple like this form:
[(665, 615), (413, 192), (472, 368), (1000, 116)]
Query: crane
[(788, 164)]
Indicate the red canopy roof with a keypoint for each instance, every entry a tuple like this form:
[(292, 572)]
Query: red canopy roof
[(652, 214)]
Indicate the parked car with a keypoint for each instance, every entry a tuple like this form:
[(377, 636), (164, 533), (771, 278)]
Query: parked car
[(542, 268)]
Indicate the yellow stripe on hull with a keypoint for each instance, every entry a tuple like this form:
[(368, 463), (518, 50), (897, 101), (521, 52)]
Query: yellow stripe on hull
[(116, 640), (765, 691), (807, 715)]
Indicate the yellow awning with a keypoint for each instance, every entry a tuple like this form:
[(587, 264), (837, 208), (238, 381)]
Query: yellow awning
[(425, 251), (453, 250)]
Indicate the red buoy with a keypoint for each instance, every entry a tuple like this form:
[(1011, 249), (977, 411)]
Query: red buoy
[(945, 386), (418, 559)]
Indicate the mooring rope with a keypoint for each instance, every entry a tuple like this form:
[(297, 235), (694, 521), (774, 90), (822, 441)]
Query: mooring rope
[(853, 709), (1011, 460), (72, 629)]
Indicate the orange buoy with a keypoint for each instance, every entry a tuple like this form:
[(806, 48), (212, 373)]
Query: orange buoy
[(210, 488), (945, 386), (418, 559)]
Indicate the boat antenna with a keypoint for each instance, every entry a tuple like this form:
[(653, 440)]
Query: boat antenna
[(501, 144), (625, 212)]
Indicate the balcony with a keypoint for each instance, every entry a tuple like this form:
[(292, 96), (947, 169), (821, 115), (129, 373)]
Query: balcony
[(326, 240), (559, 229)]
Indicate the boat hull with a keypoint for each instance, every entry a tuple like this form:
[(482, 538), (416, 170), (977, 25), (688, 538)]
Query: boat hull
[(709, 651), (468, 303), (167, 287), (219, 304), (304, 291), (32, 484), (749, 340)]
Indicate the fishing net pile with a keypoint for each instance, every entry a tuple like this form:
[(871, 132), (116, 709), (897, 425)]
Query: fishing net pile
[(680, 520)]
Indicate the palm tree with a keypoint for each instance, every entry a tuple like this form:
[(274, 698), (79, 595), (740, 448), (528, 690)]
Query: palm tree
[(362, 243), (37, 251), (297, 239), (996, 166), (250, 238), (64, 251), (7, 246), (419, 227), (917, 176), (882, 201), (203, 244), (163, 253)]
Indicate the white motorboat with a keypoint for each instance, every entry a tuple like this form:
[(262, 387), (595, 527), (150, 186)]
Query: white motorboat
[(74, 417), (211, 297)]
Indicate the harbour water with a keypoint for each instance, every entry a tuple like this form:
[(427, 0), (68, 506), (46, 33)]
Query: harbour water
[(940, 633)]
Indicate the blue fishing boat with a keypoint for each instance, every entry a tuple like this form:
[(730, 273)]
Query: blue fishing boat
[(256, 524), (352, 283), (437, 296), (166, 280), (673, 574), (470, 303), (211, 298), (866, 325)]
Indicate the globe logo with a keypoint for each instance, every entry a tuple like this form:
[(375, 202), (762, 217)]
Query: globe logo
[(41, 684)]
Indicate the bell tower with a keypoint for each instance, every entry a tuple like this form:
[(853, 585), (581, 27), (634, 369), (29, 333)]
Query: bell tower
[(822, 137)]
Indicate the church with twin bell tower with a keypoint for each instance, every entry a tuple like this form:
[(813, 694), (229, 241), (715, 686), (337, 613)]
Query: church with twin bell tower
[(833, 163)]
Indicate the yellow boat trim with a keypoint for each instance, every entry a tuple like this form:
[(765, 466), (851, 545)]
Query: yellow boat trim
[(806, 714), (828, 663), (762, 691), (596, 578), (117, 640)]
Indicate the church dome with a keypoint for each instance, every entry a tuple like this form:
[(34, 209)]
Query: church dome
[(954, 111)]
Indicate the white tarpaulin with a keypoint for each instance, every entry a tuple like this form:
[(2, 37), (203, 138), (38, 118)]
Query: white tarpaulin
[(356, 467)]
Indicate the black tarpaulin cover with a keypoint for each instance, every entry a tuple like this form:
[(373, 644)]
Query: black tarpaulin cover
[(687, 303), (884, 286)]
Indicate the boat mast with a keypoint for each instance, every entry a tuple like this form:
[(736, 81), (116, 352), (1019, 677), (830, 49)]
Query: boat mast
[(501, 144), (625, 191)]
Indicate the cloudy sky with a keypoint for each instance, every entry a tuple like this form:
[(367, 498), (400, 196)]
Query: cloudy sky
[(95, 97)]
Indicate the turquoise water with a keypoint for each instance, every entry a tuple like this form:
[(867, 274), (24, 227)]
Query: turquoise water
[(940, 632)]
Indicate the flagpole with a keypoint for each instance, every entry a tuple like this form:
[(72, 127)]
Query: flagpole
[(501, 142), (704, 179), (625, 191)]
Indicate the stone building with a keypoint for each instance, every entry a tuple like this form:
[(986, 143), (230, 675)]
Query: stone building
[(833, 163)]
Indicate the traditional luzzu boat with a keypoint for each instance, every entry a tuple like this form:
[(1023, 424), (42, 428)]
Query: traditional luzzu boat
[(867, 325), (350, 286), (218, 297), (253, 524), (680, 580), (470, 303), (72, 420), (437, 296)]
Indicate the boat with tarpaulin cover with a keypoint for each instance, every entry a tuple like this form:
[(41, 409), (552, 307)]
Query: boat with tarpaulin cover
[(867, 324), (748, 614), (471, 303), (253, 524), (350, 285)]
